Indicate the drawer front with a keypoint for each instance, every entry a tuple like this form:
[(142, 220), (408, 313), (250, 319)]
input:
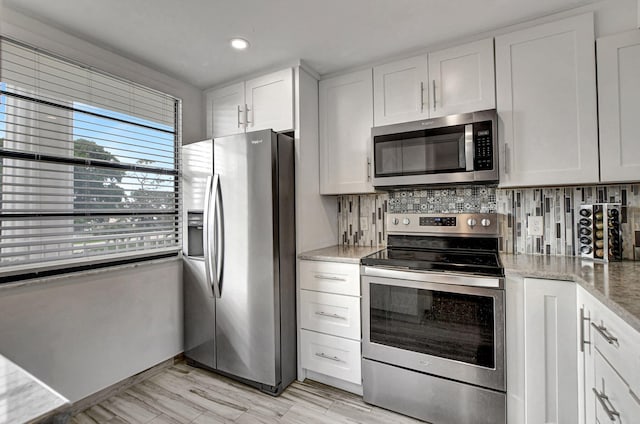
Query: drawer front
[(330, 355), (330, 277), (619, 343), (613, 401), (333, 314)]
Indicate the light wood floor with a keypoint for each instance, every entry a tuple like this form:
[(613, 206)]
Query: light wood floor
[(182, 394)]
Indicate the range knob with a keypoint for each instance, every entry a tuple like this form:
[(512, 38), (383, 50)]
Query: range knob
[(485, 222), (406, 221), (471, 222), (395, 221)]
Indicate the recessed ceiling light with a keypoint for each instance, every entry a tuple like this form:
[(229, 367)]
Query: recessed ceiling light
[(239, 43)]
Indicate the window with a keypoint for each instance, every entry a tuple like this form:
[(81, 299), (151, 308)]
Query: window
[(88, 165)]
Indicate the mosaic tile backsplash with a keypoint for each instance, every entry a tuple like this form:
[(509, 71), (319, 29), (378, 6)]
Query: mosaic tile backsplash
[(556, 205), (362, 218), (464, 199)]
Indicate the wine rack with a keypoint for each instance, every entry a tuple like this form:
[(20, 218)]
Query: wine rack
[(599, 235)]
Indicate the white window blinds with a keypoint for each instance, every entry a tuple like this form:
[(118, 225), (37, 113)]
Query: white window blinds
[(89, 163)]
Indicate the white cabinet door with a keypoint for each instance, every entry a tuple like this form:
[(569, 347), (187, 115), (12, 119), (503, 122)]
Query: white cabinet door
[(619, 106), (551, 351), (546, 101), (613, 402), (400, 91), (346, 118), (462, 79), (269, 101), (225, 110)]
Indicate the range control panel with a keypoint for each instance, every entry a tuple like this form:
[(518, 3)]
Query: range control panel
[(437, 221), (453, 224)]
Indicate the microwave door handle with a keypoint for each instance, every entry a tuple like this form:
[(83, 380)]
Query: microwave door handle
[(468, 147)]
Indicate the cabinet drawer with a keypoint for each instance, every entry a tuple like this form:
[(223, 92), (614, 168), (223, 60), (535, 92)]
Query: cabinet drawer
[(330, 277), (330, 313), (619, 343), (330, 355), (613, 401)]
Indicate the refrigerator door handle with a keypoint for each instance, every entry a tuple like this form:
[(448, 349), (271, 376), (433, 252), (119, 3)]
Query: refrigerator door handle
[(206, 231), (219, 237)]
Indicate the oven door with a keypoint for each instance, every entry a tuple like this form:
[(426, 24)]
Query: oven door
[(429, 325)]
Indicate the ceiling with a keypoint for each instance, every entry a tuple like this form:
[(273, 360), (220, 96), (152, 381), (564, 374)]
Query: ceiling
[(189, 39)]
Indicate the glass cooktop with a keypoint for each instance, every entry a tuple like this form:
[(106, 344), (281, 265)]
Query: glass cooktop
[(455, 255)]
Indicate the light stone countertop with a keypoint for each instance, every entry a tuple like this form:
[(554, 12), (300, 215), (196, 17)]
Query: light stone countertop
[(345, 254), (25, 399), (616, 284)]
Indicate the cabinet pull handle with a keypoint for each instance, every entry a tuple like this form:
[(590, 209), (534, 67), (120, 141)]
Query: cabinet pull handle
[(238, 116), (325, 356), (421, 96), (506, 158), (246, 116), (368, 169), (434, 94), (329, 277), (605, 333), (604, 399), (325, 314), (582, 320)]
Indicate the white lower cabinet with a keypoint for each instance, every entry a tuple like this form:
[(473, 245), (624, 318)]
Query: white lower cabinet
[(329, 310), (611, 357), (613, 400), (330, 355), (542, 359), (330, 313)]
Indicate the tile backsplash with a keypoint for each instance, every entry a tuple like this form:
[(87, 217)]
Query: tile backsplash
[(362, 218), (556, 205)]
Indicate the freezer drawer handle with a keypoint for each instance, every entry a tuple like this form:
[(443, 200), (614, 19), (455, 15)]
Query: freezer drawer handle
[(329, 277), (605, 333), (331, 358), (326, 314), (604, 401)]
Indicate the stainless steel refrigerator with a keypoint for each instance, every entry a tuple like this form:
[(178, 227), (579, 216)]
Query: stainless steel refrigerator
[(239, 258)]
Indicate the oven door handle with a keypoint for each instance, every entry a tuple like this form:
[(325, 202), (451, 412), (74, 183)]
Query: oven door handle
[(468, 147), (434, 277)]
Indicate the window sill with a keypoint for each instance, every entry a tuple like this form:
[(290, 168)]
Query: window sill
[(33, 282)]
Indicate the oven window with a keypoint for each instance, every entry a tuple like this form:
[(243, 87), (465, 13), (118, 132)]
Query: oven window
[(420, 152), (448, 325)]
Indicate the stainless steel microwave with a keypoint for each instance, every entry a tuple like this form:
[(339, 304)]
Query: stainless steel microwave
[(448, 150)]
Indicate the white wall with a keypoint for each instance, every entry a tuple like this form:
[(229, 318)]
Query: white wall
[(80, 334), (28, 30)]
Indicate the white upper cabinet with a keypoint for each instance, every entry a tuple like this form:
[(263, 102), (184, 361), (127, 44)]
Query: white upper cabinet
[(259, 103), (462, 79), (619, 106), (456, 80), (270, 101), (346, 118), (546, 101), (224, 110), (401, 91)]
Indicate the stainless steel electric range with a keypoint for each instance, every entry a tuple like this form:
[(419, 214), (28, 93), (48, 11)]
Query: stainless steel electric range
[(434, 320)]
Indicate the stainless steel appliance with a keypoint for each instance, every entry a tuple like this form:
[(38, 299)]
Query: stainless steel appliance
[(452, 149), (599, 234), (434, 320), (239, 258)]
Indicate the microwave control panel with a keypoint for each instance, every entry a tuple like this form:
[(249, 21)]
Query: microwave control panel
[(483, 144)]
